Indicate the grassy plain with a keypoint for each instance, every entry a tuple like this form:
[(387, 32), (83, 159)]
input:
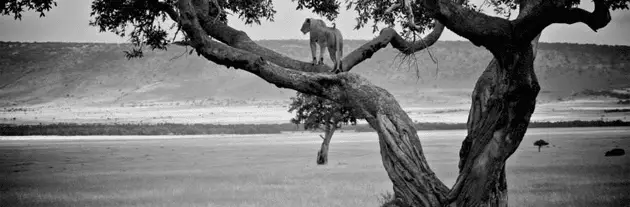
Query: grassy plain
[(280, 170)]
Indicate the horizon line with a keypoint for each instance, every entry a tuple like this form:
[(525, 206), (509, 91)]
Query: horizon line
[(119, 43)]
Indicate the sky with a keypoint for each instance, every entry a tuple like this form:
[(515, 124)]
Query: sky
[(68, 22)]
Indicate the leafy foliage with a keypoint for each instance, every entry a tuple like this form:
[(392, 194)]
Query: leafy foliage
[(326, 8), (144, 16), (16, 7), (315, 112), (251, 11), (375, 10)]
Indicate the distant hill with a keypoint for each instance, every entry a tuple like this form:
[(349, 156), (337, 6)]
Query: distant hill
[(99, 74)]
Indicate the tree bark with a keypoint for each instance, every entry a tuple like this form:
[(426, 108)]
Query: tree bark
[(503, 101), (322, 154)]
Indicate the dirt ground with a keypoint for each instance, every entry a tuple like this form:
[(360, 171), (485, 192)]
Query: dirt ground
[(280, 170)]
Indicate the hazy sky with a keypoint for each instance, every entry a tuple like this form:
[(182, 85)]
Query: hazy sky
[(69, 23)]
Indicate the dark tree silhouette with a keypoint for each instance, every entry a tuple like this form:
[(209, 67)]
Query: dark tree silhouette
[(540, 143), (503, 98), (319, 113)]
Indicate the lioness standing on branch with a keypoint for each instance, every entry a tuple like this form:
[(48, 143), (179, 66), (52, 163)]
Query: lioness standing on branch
[(329, 37)]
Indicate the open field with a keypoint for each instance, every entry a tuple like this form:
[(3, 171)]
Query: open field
[(276, 112), (279, 170)]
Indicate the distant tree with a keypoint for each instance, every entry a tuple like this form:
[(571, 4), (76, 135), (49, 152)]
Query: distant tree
[(319, 113), (540, 143)]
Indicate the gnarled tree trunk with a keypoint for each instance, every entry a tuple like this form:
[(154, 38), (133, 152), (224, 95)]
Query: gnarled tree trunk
[(502, 104), (322, 154)]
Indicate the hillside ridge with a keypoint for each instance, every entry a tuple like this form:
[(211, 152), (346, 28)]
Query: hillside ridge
[(99, 74)]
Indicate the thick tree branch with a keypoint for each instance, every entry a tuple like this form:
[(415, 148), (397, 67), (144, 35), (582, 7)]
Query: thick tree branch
[(482, 30), (545, 13)]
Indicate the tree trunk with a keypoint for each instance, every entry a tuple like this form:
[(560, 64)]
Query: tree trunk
[(322, 155), (539, 148), (414, 182), (503, 101)]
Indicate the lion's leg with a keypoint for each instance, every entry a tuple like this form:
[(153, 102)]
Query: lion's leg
[(322, 47), (314, 51), (333, 56)]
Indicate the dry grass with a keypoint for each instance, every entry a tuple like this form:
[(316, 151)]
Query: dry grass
[(280, 170)]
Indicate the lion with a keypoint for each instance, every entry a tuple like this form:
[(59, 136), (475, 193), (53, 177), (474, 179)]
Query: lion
[(325, 36)]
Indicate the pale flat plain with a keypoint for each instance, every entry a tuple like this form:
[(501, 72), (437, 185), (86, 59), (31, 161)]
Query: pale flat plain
[(280, 170)]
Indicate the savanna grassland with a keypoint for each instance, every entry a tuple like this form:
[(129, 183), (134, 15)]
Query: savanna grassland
[(280, 170)]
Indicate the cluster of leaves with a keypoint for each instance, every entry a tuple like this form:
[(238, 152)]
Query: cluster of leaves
[(16, 7), (144, 16), (540, 143), (375, 10), (616, 4), (315, 112), (326, 8), (251, 11), (147, 17)]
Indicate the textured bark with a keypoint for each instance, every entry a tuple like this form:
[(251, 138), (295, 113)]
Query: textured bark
[(503, 101), (500, 112), (322, 154)]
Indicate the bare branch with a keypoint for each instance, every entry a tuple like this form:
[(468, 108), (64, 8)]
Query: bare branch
[(387, 36), (322, 137), (545, 13)]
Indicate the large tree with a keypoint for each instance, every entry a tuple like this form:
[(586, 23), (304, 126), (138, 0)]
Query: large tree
[(316, 113), (502, 101)]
